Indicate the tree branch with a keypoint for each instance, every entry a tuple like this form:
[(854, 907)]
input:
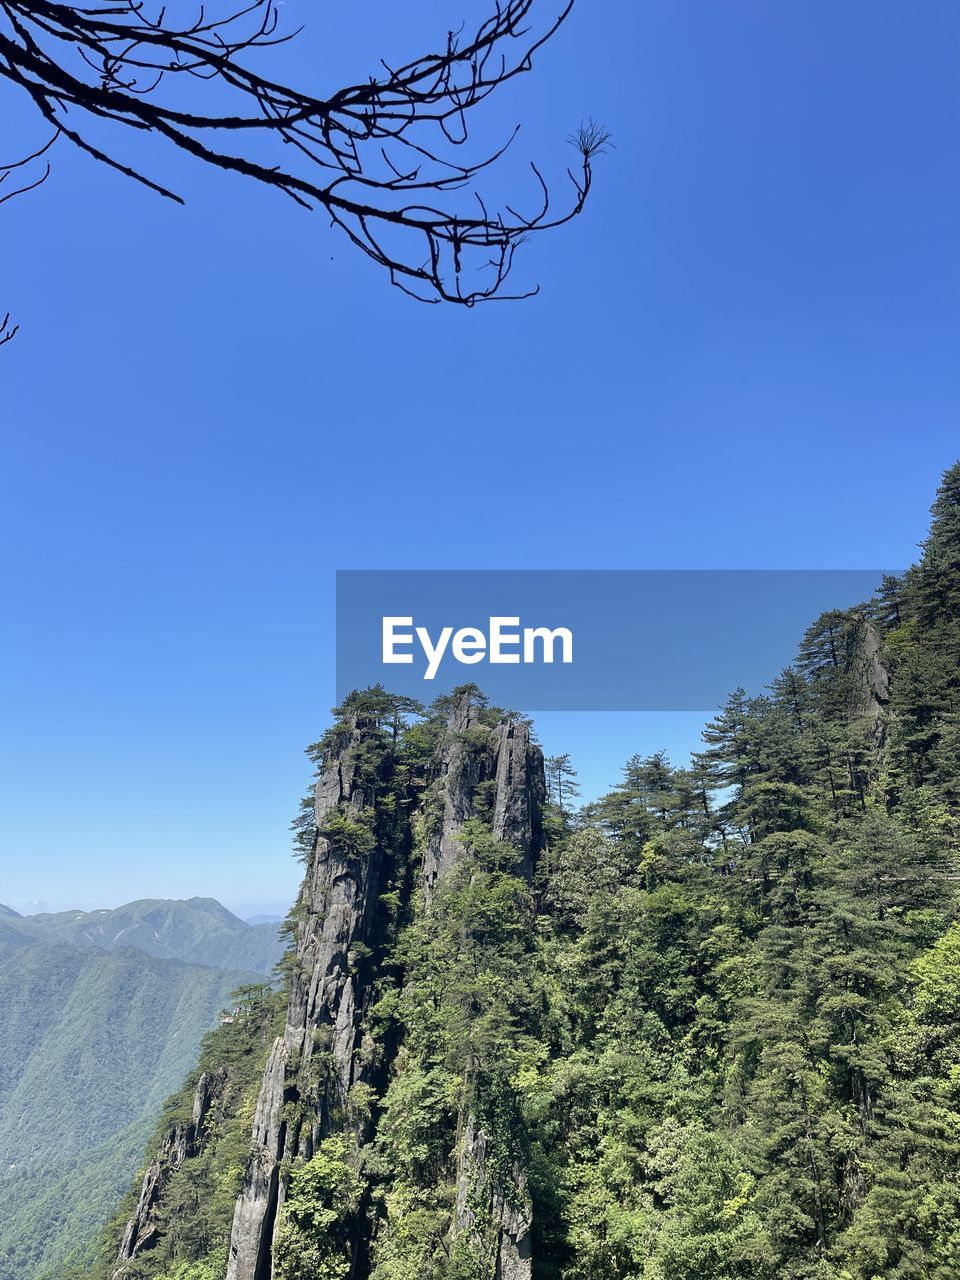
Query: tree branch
[(357, 154)]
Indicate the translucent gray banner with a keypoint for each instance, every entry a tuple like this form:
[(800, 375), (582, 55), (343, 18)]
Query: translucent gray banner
[(582, 640)]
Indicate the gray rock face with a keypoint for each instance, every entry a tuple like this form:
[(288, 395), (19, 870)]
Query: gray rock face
[(872, 677), (337, 908), (251, 1235), (507, 1208), (495, 771), (462, 771), (474, 757), (520, 793), (871, 683), (181, 1143)]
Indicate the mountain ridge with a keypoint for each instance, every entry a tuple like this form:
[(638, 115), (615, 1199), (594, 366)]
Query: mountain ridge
[(91, 1042), (200, 930)]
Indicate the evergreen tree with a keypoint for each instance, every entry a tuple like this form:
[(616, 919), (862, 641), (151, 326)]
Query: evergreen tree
[(562, 785), (716, 1038)]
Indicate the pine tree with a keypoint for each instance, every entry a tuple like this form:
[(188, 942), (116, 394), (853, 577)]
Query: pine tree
[(562, 785)]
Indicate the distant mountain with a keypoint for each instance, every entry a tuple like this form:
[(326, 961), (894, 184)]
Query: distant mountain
[(11, 938), (9, 911), (264, 919), (91, 1042), (101, 1015), (197, 930)]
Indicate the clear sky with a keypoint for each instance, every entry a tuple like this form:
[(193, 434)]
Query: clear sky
[(744, 355)]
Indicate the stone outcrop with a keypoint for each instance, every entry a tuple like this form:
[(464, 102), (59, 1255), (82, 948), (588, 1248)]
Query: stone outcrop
[(475, 756), (182, 1142), (494, 1212), (520, 793), (871, 683), (337, 912), (502, 1232), (872, 679), (482, 769), (251, 1236)]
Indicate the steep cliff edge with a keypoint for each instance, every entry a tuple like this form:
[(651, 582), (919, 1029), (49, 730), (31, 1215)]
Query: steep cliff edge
[(182, 1142), (191, 1178), (486, 770), (494, 772), (376, 805), (353, 856)]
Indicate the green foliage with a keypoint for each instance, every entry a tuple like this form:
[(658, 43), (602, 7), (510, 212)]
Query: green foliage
[(751, 979), (91, 1041), (346, 836), (212, 1267), (198, 931), (463, 1014), (717, 1038), (196, 1209), (313, 1235)]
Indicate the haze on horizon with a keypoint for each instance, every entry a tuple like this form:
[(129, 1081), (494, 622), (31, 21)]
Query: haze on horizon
[(743, 355)]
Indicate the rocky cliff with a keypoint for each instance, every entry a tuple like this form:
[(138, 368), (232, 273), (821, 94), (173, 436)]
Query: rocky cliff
[(666, 1048), (497, 771), (368, 805), (182, 1142), (493, 770), (871, 681), (336, 913)]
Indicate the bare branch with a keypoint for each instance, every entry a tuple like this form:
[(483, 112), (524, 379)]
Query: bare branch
[(23, 180), (8, 330), (367, 154)]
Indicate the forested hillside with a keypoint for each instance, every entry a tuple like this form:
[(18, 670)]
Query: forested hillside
[(90, 1045), (198, 930), (705, 1028)]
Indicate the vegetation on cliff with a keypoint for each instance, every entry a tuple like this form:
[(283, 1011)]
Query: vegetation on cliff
[(704, 1028)]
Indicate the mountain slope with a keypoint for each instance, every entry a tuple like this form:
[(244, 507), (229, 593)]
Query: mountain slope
[(198, 930), (90, 1045), (708, 1028)]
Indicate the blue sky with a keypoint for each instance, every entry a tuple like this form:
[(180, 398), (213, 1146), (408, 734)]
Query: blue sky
[(744, 355)]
